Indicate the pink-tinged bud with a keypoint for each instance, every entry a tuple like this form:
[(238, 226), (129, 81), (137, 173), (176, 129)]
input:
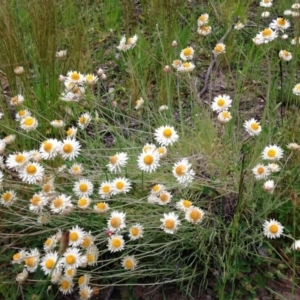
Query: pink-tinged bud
[(19, 70), (174, 44), (103, 77), (61, 78), (100, 72), (114, 103), (167, 69), (109, 232)]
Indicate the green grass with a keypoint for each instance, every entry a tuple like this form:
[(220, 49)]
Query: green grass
[(227, 252)]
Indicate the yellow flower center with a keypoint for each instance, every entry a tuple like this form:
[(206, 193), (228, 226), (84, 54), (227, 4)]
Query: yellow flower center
[(260, 170), (83, 187), (35, 200), (120, 185), (219, 48), (180, 170), (86, 242), (170, 224), (90, 257), (75, 76), (65, 284), (274, 228), (20, 158), (267, 32), (135, 231), (81, 280), (48, 242), (187, 51), (30, 261), (82, 202), (14, 99), (89, 77), (113, 159), (17, 256), (47, 146), (106, 189), (70, 259), (271, 153), (22, 113), (281, 21), (29, 121), (101, 206), (116, 243), (73, 236), (254, 126), (82, 120), (128, 264), (148, 160), (69, 131), (84, 294), (46, 188), (186, 65), (186, 203), (31, 169), (221, 102), (195, 215), (202, 18), (115, 222), (156, 188), (70, 272), (164, 197), (298, 87), (286, 53), (58, 202), (49, 264), (161, 150), (167, 133), (7, 196), (68, 148)]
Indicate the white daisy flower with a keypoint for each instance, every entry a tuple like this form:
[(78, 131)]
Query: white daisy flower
[(157, 189), (273, 167), (32, 259), (187, 53), (296, 89), (57, 123), (84, 202), (116, 243), (17, 100), (50, 243), (28, 123), (266, 3), (166, 135), (84, 120), (219, 49), (90, 79), (49, 148), (164, 198), (9, 139), (83, 188), (85, 292), (32, 173), (285, 55), (74, 77), (202, 19), (239, 25), (84, 280), (177, 64), (136, 231), (105, 189), (170, 222), (293, 146), (8, 198), (221, 103), (129, 262), (272, 152), (22, 277), (23, 113), (48, 262), (70, 272), (148, 161), (19, 257), (252, 127), (76, 169), (152, 199), (260, 171), (60, 204), (183, 172), (194, 215), (280, 24), (71, 132), (37, 202), (162, 151), (269, 186), (69, 149), (149, 147), (88, 240), (272, 229), (17, 160), (76, 236), (186, 67), (296, 6), (117, 161), (184, 204), (116, 221), (204, 30), (101, 207), (120, 185), (139, 103), (265, 36), (73, 258), (66, 285), (92, 254), (224, 117)]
